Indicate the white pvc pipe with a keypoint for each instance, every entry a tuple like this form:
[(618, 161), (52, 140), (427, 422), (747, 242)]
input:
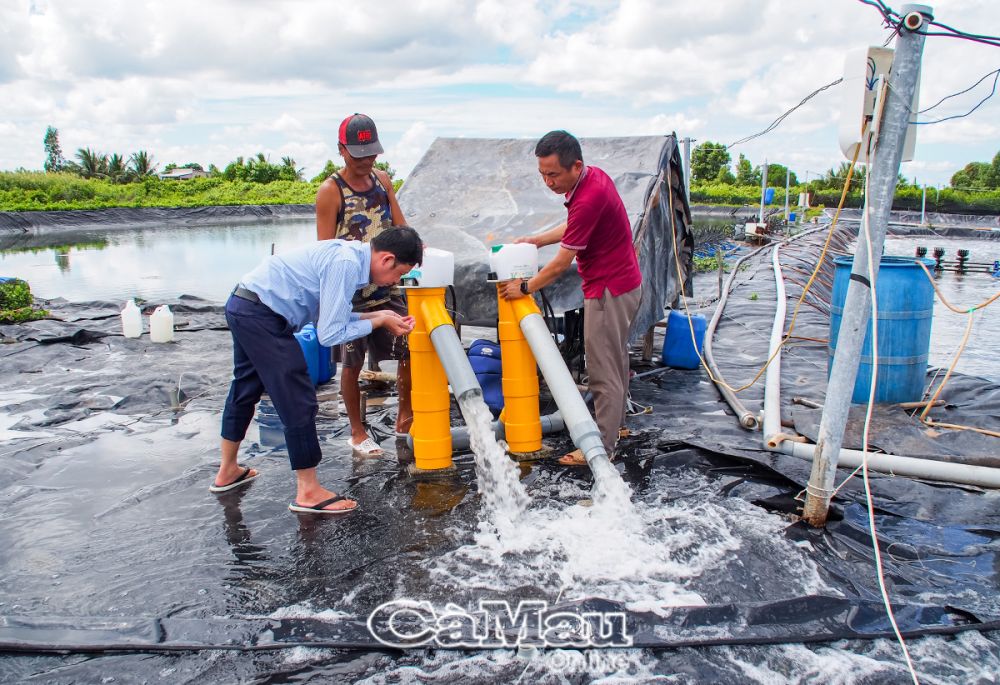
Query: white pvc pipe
[(983, 476), (456, 365), (551, 423), (772, 380), (774, 440), (582, 427)]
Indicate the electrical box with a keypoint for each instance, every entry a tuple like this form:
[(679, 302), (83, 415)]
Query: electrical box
[(863, 69)]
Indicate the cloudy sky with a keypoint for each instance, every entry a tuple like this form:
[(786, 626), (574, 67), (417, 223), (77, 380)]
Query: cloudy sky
[(208, 80)]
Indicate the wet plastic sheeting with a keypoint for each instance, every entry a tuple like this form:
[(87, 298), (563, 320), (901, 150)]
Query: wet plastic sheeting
[(467, 195)]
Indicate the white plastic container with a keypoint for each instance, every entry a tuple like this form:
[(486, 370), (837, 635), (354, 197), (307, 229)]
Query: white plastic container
[(436, 271), (514, 260), (161, 325), (131, 320)]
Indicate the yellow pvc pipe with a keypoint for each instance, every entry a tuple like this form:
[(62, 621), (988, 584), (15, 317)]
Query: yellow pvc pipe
[(431, 401), (521, 420)]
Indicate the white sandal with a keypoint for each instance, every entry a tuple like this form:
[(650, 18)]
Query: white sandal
[(367, 448)]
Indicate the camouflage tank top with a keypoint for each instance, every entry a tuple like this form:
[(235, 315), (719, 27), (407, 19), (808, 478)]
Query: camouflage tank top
[(362, 216)]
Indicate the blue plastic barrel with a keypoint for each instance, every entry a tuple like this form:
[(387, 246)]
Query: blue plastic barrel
[(321, 369), (905, 299), (679, 351), (768, 196), (791, 217)]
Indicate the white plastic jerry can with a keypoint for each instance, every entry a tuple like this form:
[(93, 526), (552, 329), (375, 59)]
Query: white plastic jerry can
[(131, 320), (161, 325)]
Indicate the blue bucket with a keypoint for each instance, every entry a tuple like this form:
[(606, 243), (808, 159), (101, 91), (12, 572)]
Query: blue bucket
[(905, 300), (679, 351)]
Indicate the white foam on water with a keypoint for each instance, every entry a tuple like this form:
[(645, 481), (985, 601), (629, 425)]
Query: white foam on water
[(965, 658), (306, 611), (306, 655), (646, 560)]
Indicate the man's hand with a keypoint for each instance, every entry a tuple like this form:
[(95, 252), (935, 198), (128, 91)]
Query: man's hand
[(511, 290), (530, 239), (397, 325)]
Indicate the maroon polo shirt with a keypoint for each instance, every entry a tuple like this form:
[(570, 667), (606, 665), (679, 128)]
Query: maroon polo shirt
[(598, 230)]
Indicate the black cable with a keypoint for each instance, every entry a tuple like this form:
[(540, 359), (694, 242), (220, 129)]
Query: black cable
[(953, 32), (894, 21), (959, 116), (777, 121), (961, 92)]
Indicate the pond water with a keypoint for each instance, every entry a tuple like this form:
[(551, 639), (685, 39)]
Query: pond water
[(149, 263)]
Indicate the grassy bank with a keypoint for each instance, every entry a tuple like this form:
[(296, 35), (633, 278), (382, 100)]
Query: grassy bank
[(23, 191), (29, 190)]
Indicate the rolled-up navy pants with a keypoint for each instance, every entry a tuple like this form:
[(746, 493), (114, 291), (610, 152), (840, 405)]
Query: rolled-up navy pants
[(268, 358)]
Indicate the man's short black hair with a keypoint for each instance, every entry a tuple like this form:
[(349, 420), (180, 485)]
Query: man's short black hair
[(402, 242), (560, 143)]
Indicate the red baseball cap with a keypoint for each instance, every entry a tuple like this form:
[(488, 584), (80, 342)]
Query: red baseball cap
[(359, 135)]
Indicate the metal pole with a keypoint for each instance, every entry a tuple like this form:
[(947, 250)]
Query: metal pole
[(923, 208), (687, 169), (763, 189), (788, 176), (882, 185)]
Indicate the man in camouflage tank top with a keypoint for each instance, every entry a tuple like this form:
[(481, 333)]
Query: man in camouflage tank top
[(358, 203)]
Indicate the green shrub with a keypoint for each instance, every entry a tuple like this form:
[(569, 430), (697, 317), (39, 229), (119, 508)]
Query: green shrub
[(17, 304)]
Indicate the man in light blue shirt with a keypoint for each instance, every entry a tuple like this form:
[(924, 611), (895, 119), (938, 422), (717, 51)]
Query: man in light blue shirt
[(314, 283)]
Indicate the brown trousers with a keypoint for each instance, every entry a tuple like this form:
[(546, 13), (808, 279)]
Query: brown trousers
[(606, 323)]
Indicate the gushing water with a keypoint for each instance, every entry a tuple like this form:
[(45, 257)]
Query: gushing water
[(503, 494)]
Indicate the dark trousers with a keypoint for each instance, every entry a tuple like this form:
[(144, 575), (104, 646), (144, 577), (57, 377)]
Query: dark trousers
[(268, 358)]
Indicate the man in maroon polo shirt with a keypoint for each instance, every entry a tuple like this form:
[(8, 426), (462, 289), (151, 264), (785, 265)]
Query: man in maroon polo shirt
[(598, 235)]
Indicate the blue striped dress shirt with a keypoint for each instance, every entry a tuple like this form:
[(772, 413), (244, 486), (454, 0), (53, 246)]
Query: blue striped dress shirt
[(315, 283)]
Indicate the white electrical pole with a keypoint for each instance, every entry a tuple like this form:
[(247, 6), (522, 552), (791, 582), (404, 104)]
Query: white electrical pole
[(884, 172), (763, 190)]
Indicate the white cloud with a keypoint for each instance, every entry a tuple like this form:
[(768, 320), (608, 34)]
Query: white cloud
[(208, 81), (411, 146)]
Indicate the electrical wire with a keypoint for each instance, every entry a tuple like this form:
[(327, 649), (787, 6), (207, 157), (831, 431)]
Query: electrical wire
[(961, 92), (774, 124), (978, 105), (867, 428), (805, 289), (894, 21)]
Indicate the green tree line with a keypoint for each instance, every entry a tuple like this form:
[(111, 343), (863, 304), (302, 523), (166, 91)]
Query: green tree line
[(973, 189), (96, 180)]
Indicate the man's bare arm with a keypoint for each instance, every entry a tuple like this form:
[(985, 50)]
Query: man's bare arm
[(397, 213), (327, 209)]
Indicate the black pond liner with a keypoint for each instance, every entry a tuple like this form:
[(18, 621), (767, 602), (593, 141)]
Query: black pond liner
[(112, 545)]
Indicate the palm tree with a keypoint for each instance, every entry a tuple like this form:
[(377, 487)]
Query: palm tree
[(143, 164), (92, 164), (117, 170), (296, 173)]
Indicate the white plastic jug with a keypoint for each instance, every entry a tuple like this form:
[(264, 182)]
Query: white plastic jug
[(514, 260), (161, 325), (131, 320)]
